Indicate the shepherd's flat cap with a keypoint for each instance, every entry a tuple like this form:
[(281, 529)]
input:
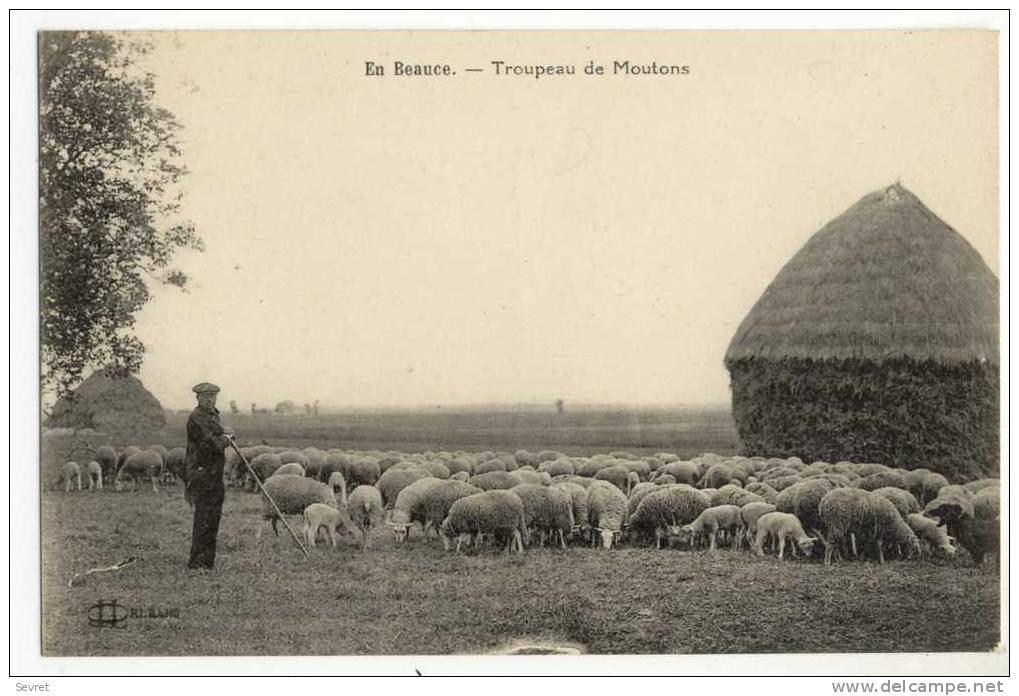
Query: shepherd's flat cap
[(205, 388)]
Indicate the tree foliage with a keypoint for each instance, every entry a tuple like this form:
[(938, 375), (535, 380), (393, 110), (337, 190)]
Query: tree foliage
[(109, 206)]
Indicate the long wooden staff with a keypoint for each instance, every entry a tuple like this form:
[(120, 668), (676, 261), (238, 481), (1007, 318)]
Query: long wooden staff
[(268, 497)]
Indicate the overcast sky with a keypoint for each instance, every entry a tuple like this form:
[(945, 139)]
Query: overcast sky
[(415, 241)]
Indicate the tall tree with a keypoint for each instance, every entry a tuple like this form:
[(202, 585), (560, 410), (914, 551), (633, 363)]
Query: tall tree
[(109, 204)]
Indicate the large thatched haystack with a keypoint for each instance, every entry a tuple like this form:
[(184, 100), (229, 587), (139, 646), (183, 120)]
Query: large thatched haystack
[(877, 342), (118, 406)]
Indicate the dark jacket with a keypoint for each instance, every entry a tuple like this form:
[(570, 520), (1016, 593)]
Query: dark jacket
[(206, 443)]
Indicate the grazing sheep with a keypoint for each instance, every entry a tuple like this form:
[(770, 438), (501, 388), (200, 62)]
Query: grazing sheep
[(335, 461), (436, 469), (882, 479), (750, 513), (933, 537), (395, 480), (548, 456), (606, 512), (744, 497), (125, 453), (535, 477), (578, 498), (459, 465), (496, 512), (592, 466), (524, 458), (903, 500), (557, 467), (366, 510), (364, 471), (637, 494), (339, 485), (292, 494), (975, 523), (291, 456), (668, 508), (681, 472), (265, 465), (717, 476), (783, 482), (981, 484), (726, 494), (173, 462), (665, 480), (777, 472), (891, 529), (546, 509), (764, 490), (319, 515), (433, 503), (69, 474), (617, 475), (641, 468), (722, 518), (141, 464), (290, 469), (495, 480), (931, 487), (406, 510), (461, 476), (802, 499), (107, 457), (845, 514), (781, 526), (95, 475), (666, 457)]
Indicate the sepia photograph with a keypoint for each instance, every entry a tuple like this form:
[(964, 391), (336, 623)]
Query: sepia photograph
[(520, 342)]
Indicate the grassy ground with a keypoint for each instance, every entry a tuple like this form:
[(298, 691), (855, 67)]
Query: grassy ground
[(417, 599)]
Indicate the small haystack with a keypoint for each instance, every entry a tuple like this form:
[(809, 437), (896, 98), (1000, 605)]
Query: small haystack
[(119, 406), (877, 342)]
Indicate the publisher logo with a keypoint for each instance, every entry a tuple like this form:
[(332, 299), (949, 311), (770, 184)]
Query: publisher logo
[(108, 613)]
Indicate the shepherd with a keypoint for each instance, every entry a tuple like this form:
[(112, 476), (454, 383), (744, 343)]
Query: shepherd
[(204, 462)]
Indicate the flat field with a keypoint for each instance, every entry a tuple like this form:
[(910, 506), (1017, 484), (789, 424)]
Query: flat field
[(265, 598)]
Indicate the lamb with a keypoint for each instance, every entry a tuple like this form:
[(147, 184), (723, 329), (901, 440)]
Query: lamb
[(69, 474), (395, 480), (781, 526), (495, 480), (750, 513), (617, 475), (292, 494), (606, 512), (290, 469), (95, 475), (668, 508), (406, 508), (496, 512), (933, 537), (319, 515), (366, 509), (722, 518), (546, 509), (141, 464)]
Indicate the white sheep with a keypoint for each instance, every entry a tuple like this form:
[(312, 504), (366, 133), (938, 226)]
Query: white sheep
[(141, 464), (290, 469), (496, 512), (364, 504), (70, 473), (319, 515), (781, 526), (292, 494), (721, 518), (606, 512), (339, 485), (95, 475), (932, 536)]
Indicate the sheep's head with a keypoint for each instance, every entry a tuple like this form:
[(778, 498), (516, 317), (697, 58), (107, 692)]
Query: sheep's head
[(399, 525), (806, 545), (118, 485), (607, 536)]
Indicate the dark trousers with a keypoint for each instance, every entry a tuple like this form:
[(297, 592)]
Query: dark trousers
[(208, 499)]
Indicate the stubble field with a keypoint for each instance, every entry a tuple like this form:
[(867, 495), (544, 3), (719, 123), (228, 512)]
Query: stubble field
[(417, 599)]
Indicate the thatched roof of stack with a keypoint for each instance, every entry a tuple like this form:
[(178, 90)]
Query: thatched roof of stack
[(885, 279), (119, 406)]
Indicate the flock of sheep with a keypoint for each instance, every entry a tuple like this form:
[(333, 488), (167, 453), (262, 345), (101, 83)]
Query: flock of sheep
[(524, 499)]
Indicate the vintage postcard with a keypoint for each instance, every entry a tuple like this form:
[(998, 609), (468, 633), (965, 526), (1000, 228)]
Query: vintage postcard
[(549, 343)]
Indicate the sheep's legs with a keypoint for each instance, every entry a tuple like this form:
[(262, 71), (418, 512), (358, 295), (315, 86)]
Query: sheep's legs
[(713, 545), (781, 545), (518, 541), (852, 540), (562, 539), (880, 553)]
